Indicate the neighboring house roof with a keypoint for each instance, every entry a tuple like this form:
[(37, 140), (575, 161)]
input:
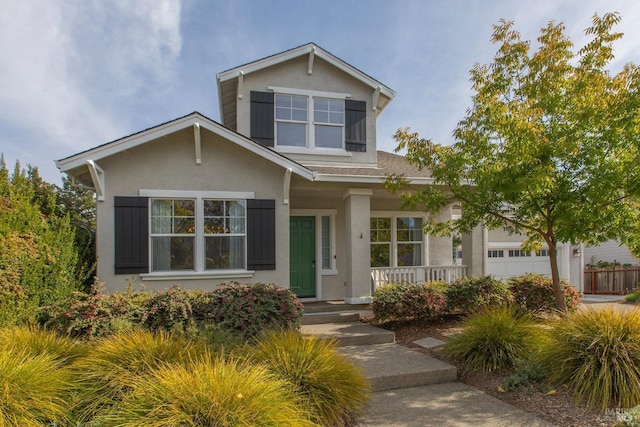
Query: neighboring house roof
[(228, 80), (388, 164), (77, 163)]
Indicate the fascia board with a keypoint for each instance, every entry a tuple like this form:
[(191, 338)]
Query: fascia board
[(124, 144), (127, 143), (304, 50)]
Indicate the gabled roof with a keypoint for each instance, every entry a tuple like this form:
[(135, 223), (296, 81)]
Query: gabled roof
[(79, 161), (227, 80)]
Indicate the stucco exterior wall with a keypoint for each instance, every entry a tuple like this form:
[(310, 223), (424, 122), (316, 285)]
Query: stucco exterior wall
[(500, 235), (326, 78), (169, 164)]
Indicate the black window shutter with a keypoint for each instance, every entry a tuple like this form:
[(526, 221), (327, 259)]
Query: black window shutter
[(262, 120), (261, 234), (355, 125), (131, 235)]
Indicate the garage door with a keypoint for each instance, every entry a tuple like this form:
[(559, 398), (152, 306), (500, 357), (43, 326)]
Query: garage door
[(505, 263)]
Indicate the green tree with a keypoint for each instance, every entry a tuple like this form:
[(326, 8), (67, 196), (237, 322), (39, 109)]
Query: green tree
[(38, 260), (79, 204), (549, 147)]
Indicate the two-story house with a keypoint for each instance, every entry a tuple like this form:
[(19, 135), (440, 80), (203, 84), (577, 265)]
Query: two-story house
[(287, 189)]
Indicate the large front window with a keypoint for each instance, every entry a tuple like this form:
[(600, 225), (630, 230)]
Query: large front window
[(173, 230), (409, 241), (396, 241), (309, 121), (380, 242), (197, 234), (224, 234)]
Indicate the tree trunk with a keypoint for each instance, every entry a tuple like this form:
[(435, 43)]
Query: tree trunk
[(558, 292)]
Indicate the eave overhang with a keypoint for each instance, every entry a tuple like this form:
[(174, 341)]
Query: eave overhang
[(76, 165)]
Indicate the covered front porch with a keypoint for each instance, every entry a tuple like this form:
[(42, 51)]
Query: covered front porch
[(381, 276)]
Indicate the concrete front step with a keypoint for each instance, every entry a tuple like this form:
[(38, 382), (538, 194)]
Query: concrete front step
[(330, 317), (350, 334), (392, 366)]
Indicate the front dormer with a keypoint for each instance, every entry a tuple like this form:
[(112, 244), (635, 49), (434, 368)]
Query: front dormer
[(306, 104)]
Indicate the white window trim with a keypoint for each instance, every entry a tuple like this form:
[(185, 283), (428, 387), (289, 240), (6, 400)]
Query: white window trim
[(310, 147), (199, 271), (308, 93), (394, 233)]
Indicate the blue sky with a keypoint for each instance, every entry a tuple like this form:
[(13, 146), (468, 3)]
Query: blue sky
[(75, 74)]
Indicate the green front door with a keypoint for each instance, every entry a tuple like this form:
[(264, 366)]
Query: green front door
[(302, 273)]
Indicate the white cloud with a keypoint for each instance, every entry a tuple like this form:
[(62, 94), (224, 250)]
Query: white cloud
[(64, 64)]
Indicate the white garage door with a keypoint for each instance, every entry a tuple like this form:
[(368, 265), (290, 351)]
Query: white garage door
[(505, 263)]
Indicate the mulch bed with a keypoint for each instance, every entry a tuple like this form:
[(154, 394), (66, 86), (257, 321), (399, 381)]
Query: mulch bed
[(558, 408)]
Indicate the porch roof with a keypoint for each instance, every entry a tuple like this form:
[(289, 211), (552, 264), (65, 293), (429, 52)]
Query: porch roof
[(388, 164)]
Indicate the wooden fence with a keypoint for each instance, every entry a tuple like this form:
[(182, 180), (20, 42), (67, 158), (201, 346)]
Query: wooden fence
[(614, 281)]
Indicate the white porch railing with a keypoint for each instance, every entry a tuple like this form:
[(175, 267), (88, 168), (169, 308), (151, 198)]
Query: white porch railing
[(418, 274)]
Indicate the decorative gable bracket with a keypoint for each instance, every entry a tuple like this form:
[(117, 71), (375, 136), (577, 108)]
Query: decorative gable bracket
[(312, 54), (97, 176), (198, 144)]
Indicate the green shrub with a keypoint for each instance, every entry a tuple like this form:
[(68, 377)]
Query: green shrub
[(35, 341), (216, 393), (403, 302), (633, 298), (527, 373), (114, 364), (470, 294), (534, 292), (494, 339), (215, 338), (250, 309), (168, 310), (35, 390), (629, 417), (38, 259), (94, 314), (596, 353), (332, 387)]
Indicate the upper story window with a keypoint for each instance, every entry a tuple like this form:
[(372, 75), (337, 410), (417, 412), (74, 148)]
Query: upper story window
[(328, 122), (291, 120), (297, 120), (309, 121)]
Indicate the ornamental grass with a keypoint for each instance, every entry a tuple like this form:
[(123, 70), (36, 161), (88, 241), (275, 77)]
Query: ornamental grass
[(34, 390), (493, 339), (596, 354), (114, 365), (36, 341), (215, 393), (332, 387)]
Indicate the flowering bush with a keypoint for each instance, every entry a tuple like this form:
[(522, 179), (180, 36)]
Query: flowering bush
[(168, 310), (534, 292), (94, 314), (405, 302), (237, 308), (251, 309), (470, 294)]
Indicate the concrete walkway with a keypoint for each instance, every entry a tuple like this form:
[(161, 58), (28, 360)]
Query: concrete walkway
[(412, 388), (446, 404)]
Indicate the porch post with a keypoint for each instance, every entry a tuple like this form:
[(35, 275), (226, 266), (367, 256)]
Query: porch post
[(358, 225), (474, 251), (441, 248)]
